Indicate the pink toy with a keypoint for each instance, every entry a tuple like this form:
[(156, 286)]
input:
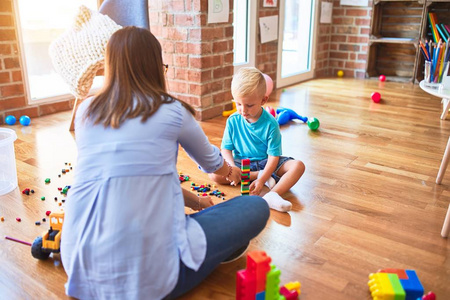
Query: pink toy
[(382, 78), (429, 296), (271, 111), (269, 85), (376, 97)]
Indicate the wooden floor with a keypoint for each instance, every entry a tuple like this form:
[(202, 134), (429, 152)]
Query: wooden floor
[(368, 199)]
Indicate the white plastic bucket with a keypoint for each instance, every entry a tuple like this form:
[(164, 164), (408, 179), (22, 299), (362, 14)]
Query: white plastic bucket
[(8, 171)]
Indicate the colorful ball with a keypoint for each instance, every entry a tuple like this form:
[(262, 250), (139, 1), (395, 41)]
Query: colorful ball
[(10, 120), (25, 120), (382, 78), (313, 124), (376, 97), (340, 73)]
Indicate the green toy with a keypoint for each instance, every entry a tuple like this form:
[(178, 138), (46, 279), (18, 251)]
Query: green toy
[(313, 124)]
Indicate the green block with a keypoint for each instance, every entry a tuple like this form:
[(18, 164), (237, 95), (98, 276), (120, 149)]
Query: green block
[(399, 292)]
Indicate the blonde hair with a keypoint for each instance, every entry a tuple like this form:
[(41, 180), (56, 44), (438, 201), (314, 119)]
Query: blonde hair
[(248, 81), (134, 79)]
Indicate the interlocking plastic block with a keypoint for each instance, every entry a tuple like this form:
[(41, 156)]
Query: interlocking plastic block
[(380, 287), (400, 272), (295, 285), (412, 286), (273, 281), (429, 296), (258, 263), (245, 285), (399, 292), (261, 296), (289, 295)]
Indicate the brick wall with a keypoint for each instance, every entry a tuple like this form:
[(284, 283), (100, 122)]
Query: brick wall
[(322, 48), (13, 99), (199, 55), (349, 39)]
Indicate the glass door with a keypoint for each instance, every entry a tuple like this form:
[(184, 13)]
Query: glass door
[(244, 35), (296, 59)]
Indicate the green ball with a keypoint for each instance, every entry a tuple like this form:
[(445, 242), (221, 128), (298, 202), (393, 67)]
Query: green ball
[(313, 123)]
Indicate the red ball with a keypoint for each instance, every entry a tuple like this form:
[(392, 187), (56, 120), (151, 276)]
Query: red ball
[(376, 97), (382, 78)]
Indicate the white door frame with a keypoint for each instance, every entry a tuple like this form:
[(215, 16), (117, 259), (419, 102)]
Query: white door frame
[(252, 38), (281, 82)]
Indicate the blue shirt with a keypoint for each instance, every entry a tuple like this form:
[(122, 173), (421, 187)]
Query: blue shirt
[(255, 141), (125, 229)]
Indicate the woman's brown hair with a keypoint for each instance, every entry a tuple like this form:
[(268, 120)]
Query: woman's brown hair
[(134, 79)]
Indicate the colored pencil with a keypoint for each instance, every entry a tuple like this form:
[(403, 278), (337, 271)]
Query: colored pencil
[(16, 240)]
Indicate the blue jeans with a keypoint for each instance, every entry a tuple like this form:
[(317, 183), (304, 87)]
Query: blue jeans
[(258, 165), (228, 226)]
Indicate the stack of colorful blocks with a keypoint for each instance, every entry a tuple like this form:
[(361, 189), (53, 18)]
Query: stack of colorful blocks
[(395, 284), (260, 281), (245, 176)]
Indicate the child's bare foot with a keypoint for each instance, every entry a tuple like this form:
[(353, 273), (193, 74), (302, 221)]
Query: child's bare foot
[(276, 202)]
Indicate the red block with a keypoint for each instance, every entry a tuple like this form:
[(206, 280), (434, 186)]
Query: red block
[(258, 264), (245, 285), (289, 295)]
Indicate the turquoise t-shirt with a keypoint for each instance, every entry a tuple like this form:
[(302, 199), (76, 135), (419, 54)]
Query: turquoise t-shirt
[(255, 141)]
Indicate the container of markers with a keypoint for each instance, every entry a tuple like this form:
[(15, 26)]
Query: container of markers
[(434, 74)]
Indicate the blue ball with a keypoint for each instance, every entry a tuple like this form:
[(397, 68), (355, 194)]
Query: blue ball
[(25, 120), (10, 120)]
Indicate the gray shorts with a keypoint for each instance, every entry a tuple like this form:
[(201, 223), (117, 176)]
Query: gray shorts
[(259, 165)]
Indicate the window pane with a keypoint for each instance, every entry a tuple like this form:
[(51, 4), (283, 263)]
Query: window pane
[(297, 37), (240, 34), (41, 22)]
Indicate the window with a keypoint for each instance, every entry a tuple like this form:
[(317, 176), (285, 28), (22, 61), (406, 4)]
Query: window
[(244, 23), (40, 22)]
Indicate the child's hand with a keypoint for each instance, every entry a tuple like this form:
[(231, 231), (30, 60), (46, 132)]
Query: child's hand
[(235, 177), (203, 202), (256, 187)]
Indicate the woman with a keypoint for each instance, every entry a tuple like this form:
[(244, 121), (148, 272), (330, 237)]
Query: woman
[(125, 233)]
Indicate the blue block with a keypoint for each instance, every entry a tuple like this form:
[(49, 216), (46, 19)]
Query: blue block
[(261, 295), (412, 286)]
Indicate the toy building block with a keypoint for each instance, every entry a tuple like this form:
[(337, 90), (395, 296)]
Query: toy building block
[(258, 263), (429, 296), (412, 286), (273, 281), (400, 272), (289, 295), (293, 286), (245, 176), (245, 285), (261, 296), (399, 292), (380, 287)]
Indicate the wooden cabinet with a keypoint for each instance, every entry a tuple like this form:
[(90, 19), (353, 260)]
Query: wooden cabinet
[(395, 31)]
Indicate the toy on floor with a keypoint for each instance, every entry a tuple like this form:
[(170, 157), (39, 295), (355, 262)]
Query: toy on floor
[(25, 120), (340, 73), (260, 280), (227, 113), (395, 284), (376, 97), (284, 115), (50, 241), (10, 120), (313, 124), (245, 176), (382, 78), (271, 111)]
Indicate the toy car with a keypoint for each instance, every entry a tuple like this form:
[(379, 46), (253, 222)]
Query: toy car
[(50, 240)]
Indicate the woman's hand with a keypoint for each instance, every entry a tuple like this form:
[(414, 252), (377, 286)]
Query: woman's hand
[(235, 176), (203, 202)]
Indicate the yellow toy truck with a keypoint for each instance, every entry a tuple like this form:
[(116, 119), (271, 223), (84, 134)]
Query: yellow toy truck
[(50, 240)]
